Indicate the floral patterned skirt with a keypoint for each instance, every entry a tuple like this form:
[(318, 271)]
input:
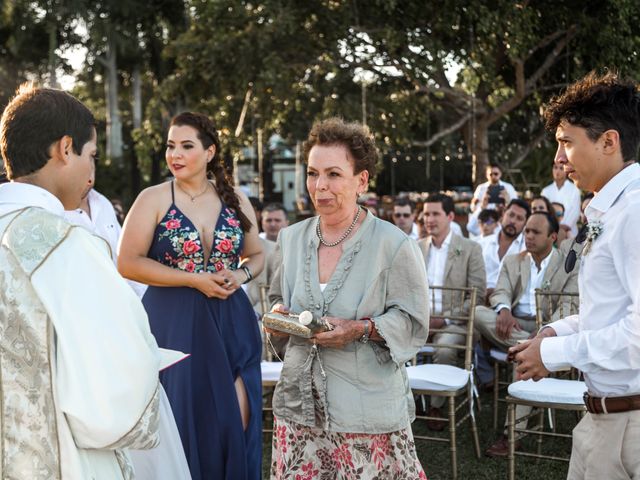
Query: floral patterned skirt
[(305, 453)]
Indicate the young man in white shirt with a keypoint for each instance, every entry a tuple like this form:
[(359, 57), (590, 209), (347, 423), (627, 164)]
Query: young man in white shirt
[(565, 192), (597, 126), (507, 241), (404, 217), (274, 218)]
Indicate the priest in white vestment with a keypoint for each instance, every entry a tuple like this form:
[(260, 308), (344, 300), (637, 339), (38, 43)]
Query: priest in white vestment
[(78, 364)]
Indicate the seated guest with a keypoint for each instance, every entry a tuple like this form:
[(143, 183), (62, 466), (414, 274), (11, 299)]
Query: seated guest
[(541, 204), (273, 218), (489, 223), (507, 241), (565, 231), (404, 216), (451, 261), (512, 314)]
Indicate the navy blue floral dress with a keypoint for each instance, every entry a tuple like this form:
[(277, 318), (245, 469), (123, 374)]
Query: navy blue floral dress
[(223, 339)]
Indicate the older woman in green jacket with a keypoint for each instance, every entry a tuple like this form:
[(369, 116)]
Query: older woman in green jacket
[(343, 405)]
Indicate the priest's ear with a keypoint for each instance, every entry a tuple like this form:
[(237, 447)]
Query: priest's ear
[(62, 149)]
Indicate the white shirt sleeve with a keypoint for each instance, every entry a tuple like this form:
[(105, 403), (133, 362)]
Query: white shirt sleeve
[(106, 369), (615, 346)]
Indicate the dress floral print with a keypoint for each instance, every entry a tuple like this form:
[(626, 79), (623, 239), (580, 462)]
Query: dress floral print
[(186, 252), (303, 453)]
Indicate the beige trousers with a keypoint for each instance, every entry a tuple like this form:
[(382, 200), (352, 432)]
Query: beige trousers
[(606, 446), (486, 325), (486, 319)]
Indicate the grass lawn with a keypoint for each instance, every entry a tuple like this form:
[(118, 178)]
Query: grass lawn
[(436, 460)]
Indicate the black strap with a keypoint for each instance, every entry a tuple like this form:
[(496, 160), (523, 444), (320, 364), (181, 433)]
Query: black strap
[(173, 199)]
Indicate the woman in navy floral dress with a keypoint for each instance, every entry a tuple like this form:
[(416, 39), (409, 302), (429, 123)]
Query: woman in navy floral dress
[(195, 241)]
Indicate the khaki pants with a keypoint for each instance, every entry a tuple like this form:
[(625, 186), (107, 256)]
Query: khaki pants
[(606, 446), (486, 319), (485, 324)]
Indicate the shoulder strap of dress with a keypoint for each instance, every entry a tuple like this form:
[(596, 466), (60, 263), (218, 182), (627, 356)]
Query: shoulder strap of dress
[(173, 199)]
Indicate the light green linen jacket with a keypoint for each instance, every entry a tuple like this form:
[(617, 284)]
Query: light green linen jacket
[(363, 388)]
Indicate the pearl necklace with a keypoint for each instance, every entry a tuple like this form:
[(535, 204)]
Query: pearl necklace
[(344, 235), (193, 197)]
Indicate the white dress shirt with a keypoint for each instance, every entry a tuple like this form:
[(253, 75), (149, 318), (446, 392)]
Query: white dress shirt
[(482, 189), (492, 262), (603, 340), (104, 223), (435, 268), (569, 196), (526, 307)]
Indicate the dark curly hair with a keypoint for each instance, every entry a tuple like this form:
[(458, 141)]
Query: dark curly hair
[(599, 103), (208, 135), (356, 138)]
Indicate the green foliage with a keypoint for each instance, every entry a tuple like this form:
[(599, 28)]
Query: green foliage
[(442, 77)]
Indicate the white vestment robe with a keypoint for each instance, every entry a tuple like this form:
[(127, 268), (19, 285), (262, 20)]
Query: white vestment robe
[(78, 363)]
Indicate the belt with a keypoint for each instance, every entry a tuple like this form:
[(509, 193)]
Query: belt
[(611, 404)]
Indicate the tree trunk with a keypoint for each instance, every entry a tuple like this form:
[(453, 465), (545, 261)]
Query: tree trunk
[(114, 122), (136, 109), (477, 137)]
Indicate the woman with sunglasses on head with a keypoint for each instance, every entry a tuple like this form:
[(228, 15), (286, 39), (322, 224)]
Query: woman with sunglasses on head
[(194, 241)]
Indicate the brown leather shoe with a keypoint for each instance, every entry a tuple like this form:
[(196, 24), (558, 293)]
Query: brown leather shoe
[(500, 447), (436, 425)]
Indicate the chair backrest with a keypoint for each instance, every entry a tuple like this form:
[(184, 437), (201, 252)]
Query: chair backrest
[(264, 306), (458, 304), (264, 298), (554, 305)]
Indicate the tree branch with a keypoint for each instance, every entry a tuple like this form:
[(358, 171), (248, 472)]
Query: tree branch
[(443, 133), (527, 149), (523, 88)]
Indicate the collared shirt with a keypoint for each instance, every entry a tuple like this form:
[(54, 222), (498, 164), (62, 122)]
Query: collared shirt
[(603, 340), (569, 196), (492, 262), (435, 268), (526, 307), (482, 189), (103, 221), (415, 233)]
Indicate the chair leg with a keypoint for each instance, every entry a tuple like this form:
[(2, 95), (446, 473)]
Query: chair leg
[(452, 438), (540, 429), (474, 434), (511, 428), (496, 386)]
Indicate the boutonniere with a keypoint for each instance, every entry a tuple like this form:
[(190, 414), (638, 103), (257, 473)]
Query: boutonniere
[(546, 285), (594, 229), (457, 251)]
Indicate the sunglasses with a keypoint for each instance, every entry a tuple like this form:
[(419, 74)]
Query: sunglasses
[(402, 215), (572, 256)]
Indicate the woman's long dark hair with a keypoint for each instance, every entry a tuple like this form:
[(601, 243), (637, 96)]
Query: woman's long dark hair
[(208, 135)]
